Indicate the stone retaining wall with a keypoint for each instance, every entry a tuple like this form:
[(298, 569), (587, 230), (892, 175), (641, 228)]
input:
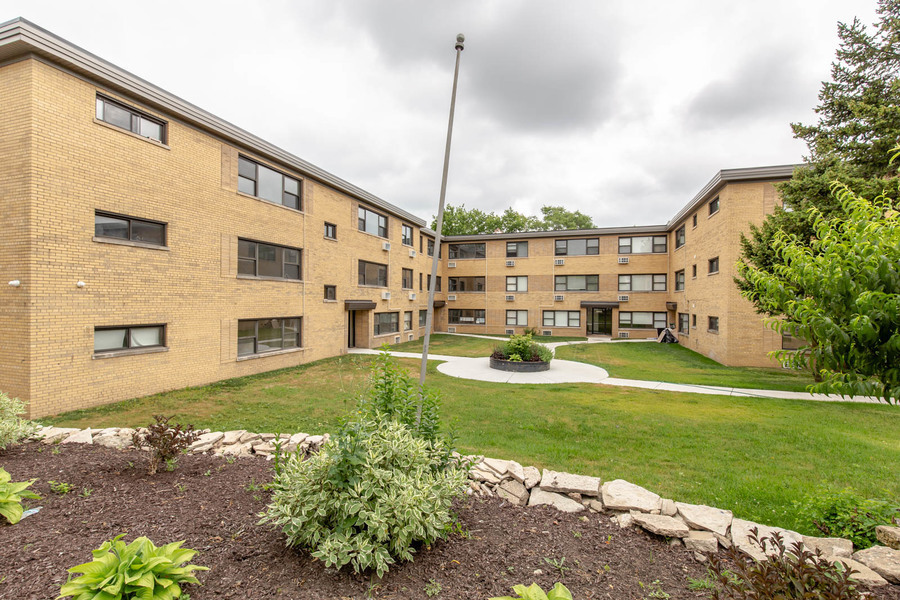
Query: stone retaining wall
[(699, 528)]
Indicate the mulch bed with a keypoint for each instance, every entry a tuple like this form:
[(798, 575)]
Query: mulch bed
[(215, 507)]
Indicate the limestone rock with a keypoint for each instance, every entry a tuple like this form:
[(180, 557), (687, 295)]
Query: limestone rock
[(863, 573), (53, 433), (708, 518), (594, 505), (121, 440), (829, 547), (661, 525), (249, 437), (881, 559), (81, 437), (267, 436), (238, 449), (889, 536), (532, 477), (264, 448), (621, 495), (298, 438), (558, 501), (513, 491), (554, 481), (499, 467), (516, 471), (232, 437), (740, 530), (701, 541), (625, 520), (668, 508), (314, 441), (206, 441), (483, 475)]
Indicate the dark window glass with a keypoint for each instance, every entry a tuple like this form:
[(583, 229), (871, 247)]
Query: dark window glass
[(407, 282), (437, 288), (714, 265), (130, 119), (430, 247), (679, 237), (683, 323), (789, 342), (577, 247), (268, 260), (694, 221), (268, 184), (331, 231), (129, 228), (372, 274), (423, 317), (714, 205), (465, 316), (465, 284), (406, 235), (387, 323), (110, 339), (679, 281), (714, 323), (268, 335), (465, 251), (331, 292), (516, 249), (372, 222), (693, 320), (694, 271)]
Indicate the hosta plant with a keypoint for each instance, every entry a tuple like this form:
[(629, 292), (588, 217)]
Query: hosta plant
[(534, 592), (138, 571), (11, 495)]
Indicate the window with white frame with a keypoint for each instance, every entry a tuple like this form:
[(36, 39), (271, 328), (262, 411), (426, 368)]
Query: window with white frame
[(517, 283), (516, 249), (642, 283), (562, 318), (517, 317), (131, 337)]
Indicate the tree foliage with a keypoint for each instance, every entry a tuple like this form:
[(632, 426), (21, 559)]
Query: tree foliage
[(859, 122), (840, 293), (459, 220)]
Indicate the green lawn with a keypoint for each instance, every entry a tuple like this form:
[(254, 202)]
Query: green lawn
[(754, 456), (457, 345)]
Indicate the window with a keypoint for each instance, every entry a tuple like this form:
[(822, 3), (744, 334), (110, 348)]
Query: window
[(517, 317), (420, 282), (423, 317), (694, 321), (465, 316), (387, 323), (642, 283), (430, 247), (714, 206), (268, 184), (642, 320), (650, 244), (268, 335), (694, 224), (407, 320), (421, 243), (683, 323), (713, 265), (465, 284), (694, 271), (267, 260), (111, 339), (679, 237), (516, 249), (406, 237), (577, 247), (372, 222), (130, 119), (331, 292), (438, 286), (713, 324), (407, 281), (372, 274), (331, 231), (463, 251), (517, 283), (789, 342), (576, 283), (679, 281), (107, 225), (562, 318)]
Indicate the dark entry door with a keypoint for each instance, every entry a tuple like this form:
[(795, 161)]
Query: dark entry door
[(351, 329), (600, 321)]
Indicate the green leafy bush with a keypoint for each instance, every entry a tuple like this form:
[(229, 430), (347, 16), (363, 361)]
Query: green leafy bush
[(788, 573), (12, 427), (139, 570), (165, 442), (534, 592), (11, 495), (848, 515), (521, 348), (369, 496)]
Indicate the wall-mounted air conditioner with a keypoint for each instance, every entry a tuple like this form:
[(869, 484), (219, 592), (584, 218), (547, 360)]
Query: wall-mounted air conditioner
[(409, 338), (396, 339), (385, 246), (451, 265), (412, 253), (451, 297), (412, 295), (559, 261), (623, 298), (558, 298), (510, 332), (510, 263), (623, 260), (385, 295), (451, 330), (623, 334), (510, 298), (547, 332)]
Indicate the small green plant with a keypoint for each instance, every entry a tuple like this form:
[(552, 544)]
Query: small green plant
[(60, 487), (559, 565), (534, 592), (847, 514), (230, 459), (793, 572), (577, 535), (165, 442), (432, 588), (278, 455), (86, 492), (171, 464), (55, 450), (208, 473), (12, 427), (139, 570), (11, 495), (654, 590)]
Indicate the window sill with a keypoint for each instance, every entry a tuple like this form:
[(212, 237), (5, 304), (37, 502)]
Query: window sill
[(374, 235), (712, 331), (372, 287), (129, 352), (268, 203), (385, 334), (713, 273), (714, 214), (327, 301), (330, 239), (133, 244), (252, 278), (150, 141), (265, 354)]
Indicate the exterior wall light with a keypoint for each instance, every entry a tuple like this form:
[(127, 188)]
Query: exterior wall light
[(15, 283), (80, 284)]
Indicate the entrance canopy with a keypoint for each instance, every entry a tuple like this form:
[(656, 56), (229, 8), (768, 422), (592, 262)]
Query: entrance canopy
[(359, 305), (597, 304)]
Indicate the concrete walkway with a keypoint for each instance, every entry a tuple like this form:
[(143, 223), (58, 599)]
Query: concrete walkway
[(567, 371)]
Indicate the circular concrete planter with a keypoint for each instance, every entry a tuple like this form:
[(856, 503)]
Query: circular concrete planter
[(519, 366)]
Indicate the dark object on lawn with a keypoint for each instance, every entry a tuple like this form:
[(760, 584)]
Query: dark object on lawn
[(667, 337)]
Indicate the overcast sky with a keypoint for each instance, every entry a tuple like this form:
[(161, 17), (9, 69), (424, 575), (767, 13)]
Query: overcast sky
[(620, 109)]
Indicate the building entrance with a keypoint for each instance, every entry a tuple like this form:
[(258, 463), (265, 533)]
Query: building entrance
[(599, 321)]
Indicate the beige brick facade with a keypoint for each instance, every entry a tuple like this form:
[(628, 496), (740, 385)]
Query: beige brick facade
[(60, 166)]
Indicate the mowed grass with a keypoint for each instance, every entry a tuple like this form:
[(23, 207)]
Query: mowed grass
[(756, 457), (457, 345)]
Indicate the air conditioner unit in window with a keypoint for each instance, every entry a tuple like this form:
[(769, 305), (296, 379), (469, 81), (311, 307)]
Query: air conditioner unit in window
[(451, 265), (559, 261), (623, 260), (510, 298), (385, 245), (451, 297), (385, 295), (623, 298), (412, 295), (409, 338), (396, 339), (451, 330), (547, 332), (558, 298), (623, 334), (510, 332), (412, 253), (510, 263)]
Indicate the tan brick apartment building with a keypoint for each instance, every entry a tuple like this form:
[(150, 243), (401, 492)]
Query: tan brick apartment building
[(150, 245)]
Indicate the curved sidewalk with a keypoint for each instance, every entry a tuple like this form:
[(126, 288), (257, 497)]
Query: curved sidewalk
[(567, 371)]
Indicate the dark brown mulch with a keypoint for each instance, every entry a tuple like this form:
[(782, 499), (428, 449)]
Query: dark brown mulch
[(215, 507)]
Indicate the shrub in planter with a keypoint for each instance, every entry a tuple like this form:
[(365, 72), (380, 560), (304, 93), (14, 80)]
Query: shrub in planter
[(11, 495), (12, 427), (521, 348), (371, 495)]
